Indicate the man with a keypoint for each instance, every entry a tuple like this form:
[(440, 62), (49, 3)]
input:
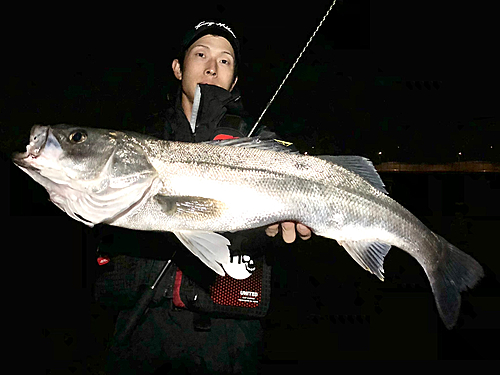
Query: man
[(178, 333)]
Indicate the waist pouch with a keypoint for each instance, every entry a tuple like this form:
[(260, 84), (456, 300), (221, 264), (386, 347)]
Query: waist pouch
[(244, 292)]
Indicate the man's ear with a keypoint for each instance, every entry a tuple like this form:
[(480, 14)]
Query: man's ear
[(234, 84), (176, 67)]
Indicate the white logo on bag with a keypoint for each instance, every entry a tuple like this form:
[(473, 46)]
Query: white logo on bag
[(247, 293), (240, 267), (248, 297)]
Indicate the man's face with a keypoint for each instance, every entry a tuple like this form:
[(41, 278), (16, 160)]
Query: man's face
[(209, 60)]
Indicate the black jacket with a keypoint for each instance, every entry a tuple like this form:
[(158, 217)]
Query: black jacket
[(220, 114)]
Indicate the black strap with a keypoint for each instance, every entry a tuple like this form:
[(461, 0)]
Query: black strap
[(201, 322)]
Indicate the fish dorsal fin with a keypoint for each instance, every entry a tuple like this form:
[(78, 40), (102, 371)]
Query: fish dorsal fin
[(369, 255), (256, 142), (363, 167), (211, 248)]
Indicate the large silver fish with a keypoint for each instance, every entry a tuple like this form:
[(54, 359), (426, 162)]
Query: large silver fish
[(193, 190)]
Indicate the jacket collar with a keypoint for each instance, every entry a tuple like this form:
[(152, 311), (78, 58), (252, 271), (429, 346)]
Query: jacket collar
[(210, 105)]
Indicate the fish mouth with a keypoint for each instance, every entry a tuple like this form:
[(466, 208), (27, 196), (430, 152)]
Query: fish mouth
[(38, 139)]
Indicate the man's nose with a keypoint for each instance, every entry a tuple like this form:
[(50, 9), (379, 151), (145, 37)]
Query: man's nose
[(211, 69)]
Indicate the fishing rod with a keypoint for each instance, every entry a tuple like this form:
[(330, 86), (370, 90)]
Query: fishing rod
[(291, 69), (141, 306)]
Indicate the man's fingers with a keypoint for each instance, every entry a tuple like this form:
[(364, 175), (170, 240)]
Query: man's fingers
[(304, 232), (272, 230), (288, 231)]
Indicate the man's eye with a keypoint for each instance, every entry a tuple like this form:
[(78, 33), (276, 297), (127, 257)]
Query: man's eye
[(200, 54)]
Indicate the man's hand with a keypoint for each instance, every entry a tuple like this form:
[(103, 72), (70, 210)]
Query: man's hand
[(288, 231)]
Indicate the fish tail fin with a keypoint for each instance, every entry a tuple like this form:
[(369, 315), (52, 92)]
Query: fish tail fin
[(455, 272)]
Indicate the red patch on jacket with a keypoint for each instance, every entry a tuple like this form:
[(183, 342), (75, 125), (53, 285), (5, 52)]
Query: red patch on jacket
[(177, 285)]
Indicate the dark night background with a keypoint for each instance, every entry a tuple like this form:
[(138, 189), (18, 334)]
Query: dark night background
[(414, 82)]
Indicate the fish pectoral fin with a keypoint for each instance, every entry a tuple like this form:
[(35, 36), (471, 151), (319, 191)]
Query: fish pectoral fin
[(188, 205), (369, 255), (211, 248)]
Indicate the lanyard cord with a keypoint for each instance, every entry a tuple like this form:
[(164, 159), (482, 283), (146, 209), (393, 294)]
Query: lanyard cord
[(290, 71)]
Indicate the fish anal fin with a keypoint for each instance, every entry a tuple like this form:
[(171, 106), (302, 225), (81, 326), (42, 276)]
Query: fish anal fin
[(368, 254)]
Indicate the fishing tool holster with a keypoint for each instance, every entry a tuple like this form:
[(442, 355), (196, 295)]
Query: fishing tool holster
[(245, 297)]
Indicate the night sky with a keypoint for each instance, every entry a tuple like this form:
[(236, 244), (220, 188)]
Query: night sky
[(414, 81)]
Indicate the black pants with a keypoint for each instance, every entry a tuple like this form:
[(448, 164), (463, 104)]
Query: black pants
[(167, 343)]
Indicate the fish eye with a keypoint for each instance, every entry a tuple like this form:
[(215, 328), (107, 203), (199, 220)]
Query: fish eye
[(78, 136)]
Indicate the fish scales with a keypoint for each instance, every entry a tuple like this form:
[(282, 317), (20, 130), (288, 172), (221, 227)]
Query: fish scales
[(282, 184), (191, 170)]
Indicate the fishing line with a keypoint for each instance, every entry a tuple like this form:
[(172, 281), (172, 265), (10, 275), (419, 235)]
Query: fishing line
[(290, 71)]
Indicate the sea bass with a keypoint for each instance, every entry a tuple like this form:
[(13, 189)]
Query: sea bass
[(135, 181)]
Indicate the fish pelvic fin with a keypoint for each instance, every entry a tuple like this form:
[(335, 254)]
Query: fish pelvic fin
[(211, 248), (368, 254), (455, 272)]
